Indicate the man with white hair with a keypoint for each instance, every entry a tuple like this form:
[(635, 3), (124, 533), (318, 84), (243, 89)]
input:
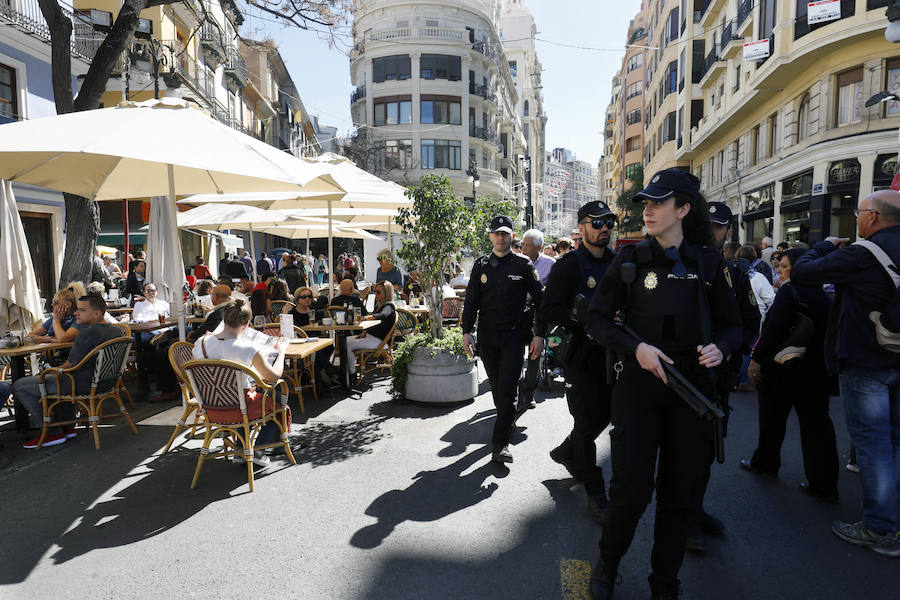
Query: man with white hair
[(532, 243), (768, 248)]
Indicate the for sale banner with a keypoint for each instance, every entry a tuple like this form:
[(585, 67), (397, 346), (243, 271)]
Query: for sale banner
[(822, 11), (756, 50)]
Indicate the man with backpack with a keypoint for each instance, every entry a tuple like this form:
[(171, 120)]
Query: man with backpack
[(857, 345)]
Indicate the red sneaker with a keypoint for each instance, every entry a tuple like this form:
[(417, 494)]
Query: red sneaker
[(50, 440)]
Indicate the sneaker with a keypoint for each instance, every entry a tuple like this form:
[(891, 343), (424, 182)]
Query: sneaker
[(50, 440), (860, 535), (502, 455), (852, 467), (69, 432), (259, 461)]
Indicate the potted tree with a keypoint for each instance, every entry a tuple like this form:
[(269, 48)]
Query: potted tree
[(431, 365)]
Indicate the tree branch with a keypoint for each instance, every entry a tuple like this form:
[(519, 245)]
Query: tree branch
[(61, 55)]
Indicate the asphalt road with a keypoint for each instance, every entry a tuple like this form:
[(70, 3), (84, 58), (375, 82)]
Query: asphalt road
[(395, 501)]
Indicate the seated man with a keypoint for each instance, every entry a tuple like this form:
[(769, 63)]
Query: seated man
[(246, 286), (347, 289), (412, 287), (27, 391), (220, 296)]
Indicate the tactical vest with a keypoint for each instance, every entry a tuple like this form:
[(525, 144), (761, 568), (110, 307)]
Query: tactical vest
[(664, 309), (591, 272)]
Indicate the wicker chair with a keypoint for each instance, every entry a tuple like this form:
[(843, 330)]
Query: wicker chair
[(381, 357), (179, 354), (452, 311), (406, 326), (130, 370), (106, 383), (294, 372), (219, 389), (4, 376), (278, 306)]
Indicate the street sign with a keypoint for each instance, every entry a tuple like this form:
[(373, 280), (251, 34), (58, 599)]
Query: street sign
[(817, 188), (756, 50), (822, 11)]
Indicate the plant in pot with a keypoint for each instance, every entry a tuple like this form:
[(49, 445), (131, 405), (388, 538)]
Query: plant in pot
[(431, 365)]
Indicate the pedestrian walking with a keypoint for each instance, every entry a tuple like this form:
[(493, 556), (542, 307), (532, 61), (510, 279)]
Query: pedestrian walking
[(801, 383), (869, 372), (264, 265), (571, 285), (670, 290), (497, 295)]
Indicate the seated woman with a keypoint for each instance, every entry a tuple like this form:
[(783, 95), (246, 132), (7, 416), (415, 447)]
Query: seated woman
[(203, 291), (261, 305), (278, 290), (61, 326), (112, 268), (228, 345), (135, 282), (306, 302), (371, 339), (96, 288)]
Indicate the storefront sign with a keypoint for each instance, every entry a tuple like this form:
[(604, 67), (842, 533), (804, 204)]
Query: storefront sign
[(756, 50), (886, 166), (843, 171), (822, 11), (760, 199)]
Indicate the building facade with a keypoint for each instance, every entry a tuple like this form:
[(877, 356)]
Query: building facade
[(612, 144), (26, 92), (572, 183), (434, 94)]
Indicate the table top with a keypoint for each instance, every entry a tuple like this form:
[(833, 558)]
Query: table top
[(419, 310), (118, 311), (150, 326), (335, 327), (301, 350), (29, 348)]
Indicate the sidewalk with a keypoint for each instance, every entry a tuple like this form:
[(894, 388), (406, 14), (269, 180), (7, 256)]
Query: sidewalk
[(395, 501)]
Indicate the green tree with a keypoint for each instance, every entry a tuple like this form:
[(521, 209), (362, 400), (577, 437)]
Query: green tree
[(632, 211), (439, 223)]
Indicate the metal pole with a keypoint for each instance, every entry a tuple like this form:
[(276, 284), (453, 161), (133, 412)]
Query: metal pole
[(529, 214), (253, 254), (330, 268), (125, 262), (178, 295)]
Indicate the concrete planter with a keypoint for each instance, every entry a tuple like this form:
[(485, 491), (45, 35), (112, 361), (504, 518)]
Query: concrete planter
[(442, 379)]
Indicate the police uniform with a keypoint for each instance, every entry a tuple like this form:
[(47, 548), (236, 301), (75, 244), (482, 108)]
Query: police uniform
[(737, 276), (498, 295), (663, 295), (587, 389)]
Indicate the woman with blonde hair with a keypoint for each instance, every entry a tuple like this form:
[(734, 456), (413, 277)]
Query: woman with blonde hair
[(372, 338), (61, 326)]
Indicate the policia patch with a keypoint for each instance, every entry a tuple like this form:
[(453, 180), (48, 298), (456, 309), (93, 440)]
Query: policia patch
[(651, 281), (591, 282), (484, 278)]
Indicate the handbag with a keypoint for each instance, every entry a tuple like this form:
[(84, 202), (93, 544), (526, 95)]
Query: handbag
[(792, 349)]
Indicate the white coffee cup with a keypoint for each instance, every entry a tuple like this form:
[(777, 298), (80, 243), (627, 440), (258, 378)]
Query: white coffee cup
[(327, 321)]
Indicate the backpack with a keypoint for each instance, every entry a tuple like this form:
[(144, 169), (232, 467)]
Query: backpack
[(886, 329)]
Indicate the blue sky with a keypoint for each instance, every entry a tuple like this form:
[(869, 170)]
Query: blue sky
[(576, 81)]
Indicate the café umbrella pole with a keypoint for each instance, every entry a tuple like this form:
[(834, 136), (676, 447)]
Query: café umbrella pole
[(253, 254), (330, 268)]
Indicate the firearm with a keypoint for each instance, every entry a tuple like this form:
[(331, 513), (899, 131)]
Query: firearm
[(694, 398), (577, 313)]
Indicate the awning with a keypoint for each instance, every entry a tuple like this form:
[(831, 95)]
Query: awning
[(230, 242), (115, 236)]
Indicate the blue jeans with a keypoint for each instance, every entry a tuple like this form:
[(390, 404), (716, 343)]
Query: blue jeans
[(872, 403)]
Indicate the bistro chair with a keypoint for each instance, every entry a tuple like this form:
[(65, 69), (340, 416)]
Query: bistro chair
[(381, 357), (278, 306), (406, 326), (294, 368), (4, 376), (179, 354), (106, 383), (452, 311), (233, 411)]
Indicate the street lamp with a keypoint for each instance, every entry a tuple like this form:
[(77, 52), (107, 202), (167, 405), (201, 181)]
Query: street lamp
[(529, 210), (472, 172)]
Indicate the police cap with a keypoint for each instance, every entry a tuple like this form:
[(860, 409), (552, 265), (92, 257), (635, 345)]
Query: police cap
[(668, 182), (594, 209), (501, 223), (719, 213)]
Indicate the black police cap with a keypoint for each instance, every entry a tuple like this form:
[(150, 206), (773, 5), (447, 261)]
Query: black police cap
[(667, 183), (719, 213), (501, 223), (594, 209)]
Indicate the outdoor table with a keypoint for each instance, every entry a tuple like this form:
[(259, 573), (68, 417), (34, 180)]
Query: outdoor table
[(136, 330), (341, 332), (119, 311), (17, 369)]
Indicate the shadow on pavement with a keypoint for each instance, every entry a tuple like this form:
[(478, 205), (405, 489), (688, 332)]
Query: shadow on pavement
[(432, 496), (405, 409), (321, 444)]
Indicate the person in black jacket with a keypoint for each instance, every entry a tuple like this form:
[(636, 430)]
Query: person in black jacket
[(134, 285), (372, 338), (292, 274), (671, 291), (805, 386)]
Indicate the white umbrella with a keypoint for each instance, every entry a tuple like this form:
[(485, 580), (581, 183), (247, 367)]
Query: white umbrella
[(165, 265), (20, 299), (149, 149), (212, 256), (300, 232)]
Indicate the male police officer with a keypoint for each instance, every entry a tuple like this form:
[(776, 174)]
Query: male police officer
[(497, 294), (738, 278), (578, 273)]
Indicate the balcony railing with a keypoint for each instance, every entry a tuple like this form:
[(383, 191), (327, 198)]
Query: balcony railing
[(704, 7), (744, 10), (26, 15), (235, 67), (211, 39), (485, 92), (358, 94)]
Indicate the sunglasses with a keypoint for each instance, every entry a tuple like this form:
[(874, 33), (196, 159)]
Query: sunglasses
[(609, 223), (305, 297)]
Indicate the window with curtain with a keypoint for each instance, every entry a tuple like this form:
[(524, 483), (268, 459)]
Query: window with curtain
[(849, 97), (390, 68), (803, 118)]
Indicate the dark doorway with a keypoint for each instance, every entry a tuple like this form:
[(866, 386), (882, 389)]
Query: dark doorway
[(40, 245)]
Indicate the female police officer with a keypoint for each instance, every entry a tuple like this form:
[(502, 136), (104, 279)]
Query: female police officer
[(671, 291)]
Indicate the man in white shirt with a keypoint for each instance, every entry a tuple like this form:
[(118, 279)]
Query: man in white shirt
[(532, 244), (150, 307)]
